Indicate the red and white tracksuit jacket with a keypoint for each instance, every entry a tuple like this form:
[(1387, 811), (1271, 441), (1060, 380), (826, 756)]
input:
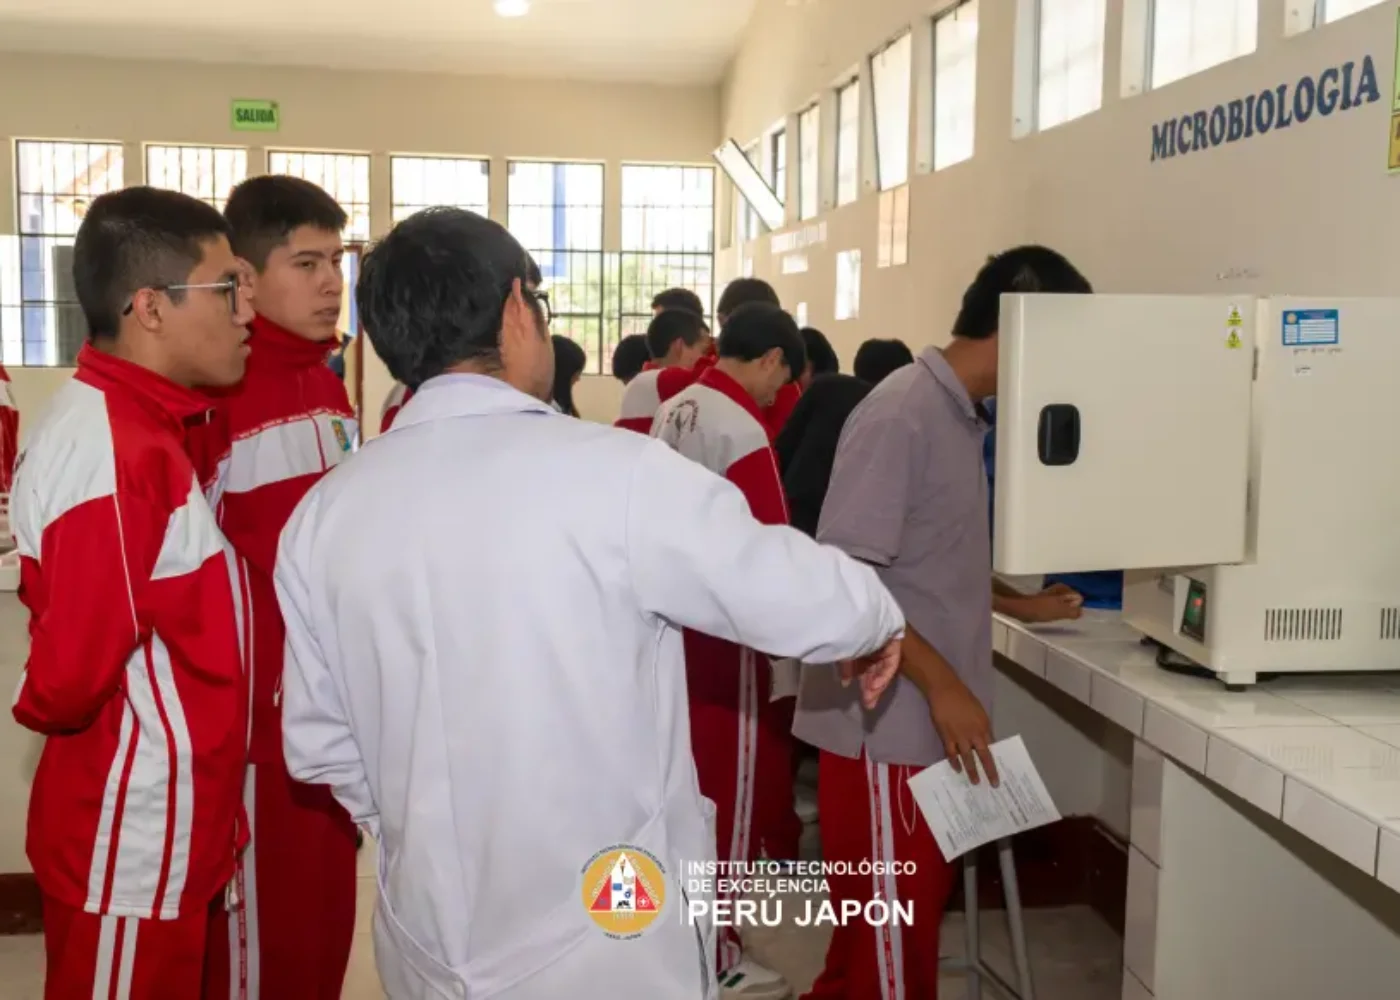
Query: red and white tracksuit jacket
[(134, 672), (287, 425), (9, 432), (744, 763), (398, 396), (653, 386)]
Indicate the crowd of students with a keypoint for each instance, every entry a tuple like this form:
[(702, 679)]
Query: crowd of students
[(497, 643)]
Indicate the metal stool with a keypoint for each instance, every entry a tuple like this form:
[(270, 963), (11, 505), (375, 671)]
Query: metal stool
[(972, 963)]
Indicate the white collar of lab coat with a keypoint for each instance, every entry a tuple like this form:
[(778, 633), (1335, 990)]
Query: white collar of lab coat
[(466, 395)]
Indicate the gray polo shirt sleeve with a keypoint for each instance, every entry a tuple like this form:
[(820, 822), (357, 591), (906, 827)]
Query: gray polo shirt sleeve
[(878, 464)]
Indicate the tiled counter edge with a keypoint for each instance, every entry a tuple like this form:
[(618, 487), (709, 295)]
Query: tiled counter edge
[(1306, 806)]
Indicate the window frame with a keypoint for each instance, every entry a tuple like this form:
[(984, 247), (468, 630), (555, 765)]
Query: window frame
[(1152, 58), (906, 38), (597, 259), (214, 200), (355, 210), (1326, 17), (778, 162), (482, 209), (809, 185), (851, 86), (636, 318), (55, 313), (1038, 66), (950, 14)]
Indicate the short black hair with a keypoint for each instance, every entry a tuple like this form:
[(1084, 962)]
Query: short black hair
[(877, 358), (630, 356), (672, 325), (820, 353), (679, 298), (264, 211), (1024, 269), (135, 238), (569, 360), (432, 293), (742, 291), (756, 328)]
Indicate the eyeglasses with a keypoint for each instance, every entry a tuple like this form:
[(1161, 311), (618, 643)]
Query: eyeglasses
[(229, 286), (543, 299)]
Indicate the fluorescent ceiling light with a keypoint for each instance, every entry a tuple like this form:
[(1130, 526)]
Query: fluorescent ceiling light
[(512, 8)]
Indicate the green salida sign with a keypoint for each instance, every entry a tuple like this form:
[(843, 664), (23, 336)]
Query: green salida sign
[(256, 116)]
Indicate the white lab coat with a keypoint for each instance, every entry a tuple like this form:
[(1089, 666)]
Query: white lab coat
[(484, 663)]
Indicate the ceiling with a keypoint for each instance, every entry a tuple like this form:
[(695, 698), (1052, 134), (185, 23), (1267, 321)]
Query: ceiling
[(656, 41)]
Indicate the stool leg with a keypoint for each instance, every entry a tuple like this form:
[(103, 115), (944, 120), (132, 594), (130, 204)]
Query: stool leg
[(1016, 918), (972, 927)]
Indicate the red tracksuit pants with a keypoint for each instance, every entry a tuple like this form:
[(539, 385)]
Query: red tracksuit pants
[(289, 937), (743, 761), (122, 958), (777, 813), (868, 814)]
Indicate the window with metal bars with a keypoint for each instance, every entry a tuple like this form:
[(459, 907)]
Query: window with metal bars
[(555, 210), (668, 223), (40, 320), (344, 176), (208, 173), (777, 164), (421, 182)]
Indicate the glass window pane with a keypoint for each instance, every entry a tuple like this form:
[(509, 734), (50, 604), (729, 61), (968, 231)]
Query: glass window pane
[(809, 163), (848, 143), (208, 173), (555, 210), (1192, 35), (889, 73), (954, 85), (55, 183), (1334, 10), (344, 176), (1070, 79), (420, 182)]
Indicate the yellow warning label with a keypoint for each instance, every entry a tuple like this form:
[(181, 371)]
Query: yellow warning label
[(1235, 319), (1233, 341)]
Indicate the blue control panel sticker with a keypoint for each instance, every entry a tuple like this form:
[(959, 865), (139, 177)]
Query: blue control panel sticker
[(1310, 327)]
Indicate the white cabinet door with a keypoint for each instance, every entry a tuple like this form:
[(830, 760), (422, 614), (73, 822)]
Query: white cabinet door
[(1123, 426)]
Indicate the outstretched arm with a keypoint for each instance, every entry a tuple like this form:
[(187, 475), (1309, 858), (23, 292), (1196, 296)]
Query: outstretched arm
[(700, 560)]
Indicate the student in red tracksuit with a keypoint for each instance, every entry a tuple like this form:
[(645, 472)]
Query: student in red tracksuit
[(134, 672), (645, 394), (9, 433), (743, 766), (289, 423), (680, 347)]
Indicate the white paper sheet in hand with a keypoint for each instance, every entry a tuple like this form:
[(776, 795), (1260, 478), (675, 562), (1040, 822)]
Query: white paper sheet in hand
[(785, 674), (964, 816)]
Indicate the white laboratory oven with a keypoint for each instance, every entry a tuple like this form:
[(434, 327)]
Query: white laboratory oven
[(1239, 456)]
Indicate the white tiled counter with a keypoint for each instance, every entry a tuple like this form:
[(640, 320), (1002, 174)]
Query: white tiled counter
[(1265, 825)]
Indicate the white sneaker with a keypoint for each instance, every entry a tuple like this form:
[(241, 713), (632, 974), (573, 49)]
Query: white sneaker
[(750, 981)]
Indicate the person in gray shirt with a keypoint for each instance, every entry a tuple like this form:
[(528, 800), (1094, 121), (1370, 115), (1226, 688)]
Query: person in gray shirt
[(908, 495)]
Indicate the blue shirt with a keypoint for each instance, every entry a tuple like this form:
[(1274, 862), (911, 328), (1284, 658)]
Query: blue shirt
[(1102, 589)]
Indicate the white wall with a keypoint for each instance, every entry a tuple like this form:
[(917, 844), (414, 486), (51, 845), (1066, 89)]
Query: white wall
[(1305, 210)]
